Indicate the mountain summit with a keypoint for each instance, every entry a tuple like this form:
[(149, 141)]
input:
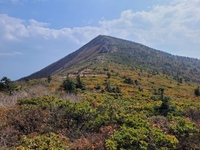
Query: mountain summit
[(105, 49)]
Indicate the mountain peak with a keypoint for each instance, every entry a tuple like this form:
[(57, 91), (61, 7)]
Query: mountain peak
[(102, 39)]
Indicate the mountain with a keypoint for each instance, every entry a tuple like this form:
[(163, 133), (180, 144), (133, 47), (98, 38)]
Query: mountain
[(106, 49), (118, 95)]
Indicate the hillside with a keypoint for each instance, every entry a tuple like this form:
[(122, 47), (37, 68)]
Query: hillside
[(105, 96), (115, 107), (110, 49)]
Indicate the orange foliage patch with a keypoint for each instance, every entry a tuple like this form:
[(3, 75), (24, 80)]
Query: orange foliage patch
[(53, 89)]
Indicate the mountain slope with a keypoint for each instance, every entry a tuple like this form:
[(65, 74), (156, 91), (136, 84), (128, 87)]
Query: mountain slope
[(86, 52), (105, 49)]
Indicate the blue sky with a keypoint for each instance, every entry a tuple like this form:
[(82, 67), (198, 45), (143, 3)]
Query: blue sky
[(36, 33)]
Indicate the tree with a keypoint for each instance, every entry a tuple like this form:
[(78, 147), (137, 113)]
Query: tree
[(180, 80), (69, 85), (128, 81), (108, 75), (80, 84), (197, 92), (161, 91), (49, 78), (6, 85), (108, 87), (97, 87), (136, 82), (118, 90), (164, 107)]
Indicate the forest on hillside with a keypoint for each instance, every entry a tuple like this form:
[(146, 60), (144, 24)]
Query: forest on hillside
[(106, 106)]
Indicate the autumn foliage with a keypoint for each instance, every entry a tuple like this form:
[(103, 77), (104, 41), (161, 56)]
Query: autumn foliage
[(130, 109)]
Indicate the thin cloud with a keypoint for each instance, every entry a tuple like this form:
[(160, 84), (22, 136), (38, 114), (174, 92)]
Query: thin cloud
[(18, 1), (22, 1), (15, 1), (10, 54), (38, 24)]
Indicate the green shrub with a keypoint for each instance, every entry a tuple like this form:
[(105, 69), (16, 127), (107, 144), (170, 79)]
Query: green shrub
[(49, 141)]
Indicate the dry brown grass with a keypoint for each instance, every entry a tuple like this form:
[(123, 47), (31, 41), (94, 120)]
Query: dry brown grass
[(37, 91), (70, 96), (7, 101)]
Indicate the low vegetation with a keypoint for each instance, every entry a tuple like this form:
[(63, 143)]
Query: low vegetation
[(126, 109)]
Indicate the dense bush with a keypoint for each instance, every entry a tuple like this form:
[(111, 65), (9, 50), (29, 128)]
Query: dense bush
[(136, 133)]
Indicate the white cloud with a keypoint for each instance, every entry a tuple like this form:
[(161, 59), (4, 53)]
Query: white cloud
[(161, 24), (12, 28), (15, 29), (174, 24)]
